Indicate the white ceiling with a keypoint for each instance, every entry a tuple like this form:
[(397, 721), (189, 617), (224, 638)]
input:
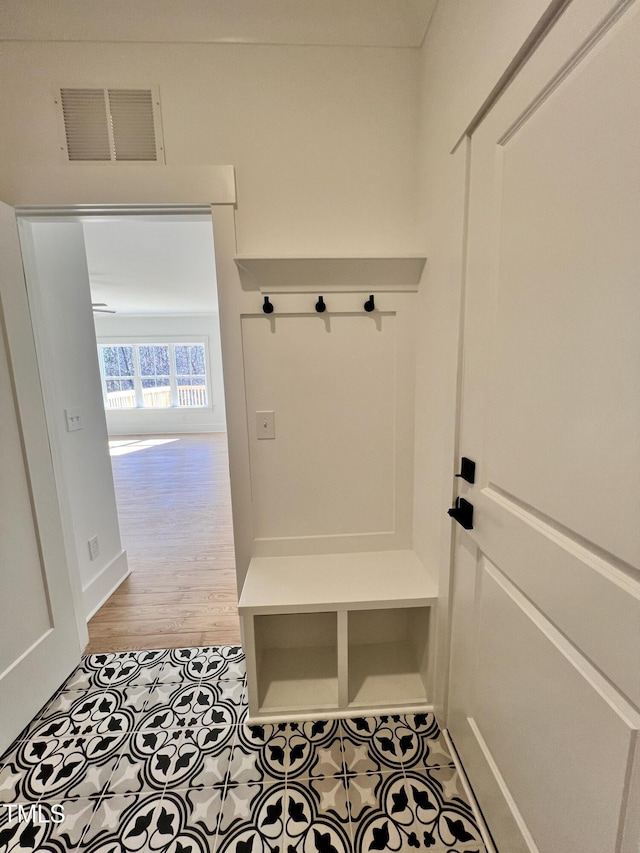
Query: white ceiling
[(393, 23), (152, 265)]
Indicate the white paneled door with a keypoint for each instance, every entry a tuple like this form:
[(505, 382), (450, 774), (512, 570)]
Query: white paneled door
[(545, 651), (39, 644)]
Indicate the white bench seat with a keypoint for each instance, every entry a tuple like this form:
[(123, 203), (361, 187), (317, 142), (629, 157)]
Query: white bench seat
[(337, 634)]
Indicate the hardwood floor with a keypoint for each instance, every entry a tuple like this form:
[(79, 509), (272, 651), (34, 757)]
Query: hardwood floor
[(174, 507)]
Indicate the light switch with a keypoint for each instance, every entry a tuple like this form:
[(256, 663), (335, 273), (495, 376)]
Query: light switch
[(265, 425), (74, 419)]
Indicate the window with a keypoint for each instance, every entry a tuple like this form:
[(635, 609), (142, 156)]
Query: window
[(190, 374), (118, 382), (154, 376)]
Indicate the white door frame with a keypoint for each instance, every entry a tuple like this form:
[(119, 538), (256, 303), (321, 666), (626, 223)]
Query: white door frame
[(49, 658), (223, 222), (462, 150)]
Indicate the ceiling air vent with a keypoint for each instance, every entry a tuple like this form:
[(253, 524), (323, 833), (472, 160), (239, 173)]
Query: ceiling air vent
[(110, 124)]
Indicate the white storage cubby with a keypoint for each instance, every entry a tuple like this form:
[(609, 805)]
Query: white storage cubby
[(297, 661), (388, 656), (337, 634)]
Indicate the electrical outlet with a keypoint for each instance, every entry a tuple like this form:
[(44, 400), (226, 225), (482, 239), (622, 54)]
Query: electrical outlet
[(265, 425), (94, 547)]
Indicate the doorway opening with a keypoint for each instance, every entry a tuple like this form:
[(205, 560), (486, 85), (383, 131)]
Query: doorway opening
[(174, 510), (127, 332)]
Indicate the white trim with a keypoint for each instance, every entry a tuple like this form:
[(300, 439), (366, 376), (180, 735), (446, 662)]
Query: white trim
[(450, 461), (475, 808), (137, 384), (135, 187), (230, 312), (47, 385), (342, 714), (366, 274), (545, 23), (162, 428), (105, 584), (46, 663), (73, 212)]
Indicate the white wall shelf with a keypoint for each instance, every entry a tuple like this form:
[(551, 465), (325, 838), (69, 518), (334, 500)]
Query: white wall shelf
[(337, 634), (330, 275)]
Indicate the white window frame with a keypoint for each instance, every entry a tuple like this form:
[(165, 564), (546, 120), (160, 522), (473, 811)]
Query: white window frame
[(165, 340)]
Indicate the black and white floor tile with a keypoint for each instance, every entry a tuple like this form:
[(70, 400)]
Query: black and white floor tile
[(150, 752)]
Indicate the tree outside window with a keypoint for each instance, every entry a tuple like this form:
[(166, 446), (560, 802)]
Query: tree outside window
[(119, 376), (154, 376)]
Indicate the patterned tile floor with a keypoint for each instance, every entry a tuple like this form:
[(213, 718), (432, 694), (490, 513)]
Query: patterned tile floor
[(149, 752)]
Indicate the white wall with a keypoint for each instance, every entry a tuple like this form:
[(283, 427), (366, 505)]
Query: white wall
[(69, 364), (323, 138), (338, 474), (327, 145), (467, 49), (195, 328), (323, 141)]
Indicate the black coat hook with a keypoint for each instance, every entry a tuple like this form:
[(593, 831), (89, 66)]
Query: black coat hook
[(267, 307), (320, 306), (370, 304)]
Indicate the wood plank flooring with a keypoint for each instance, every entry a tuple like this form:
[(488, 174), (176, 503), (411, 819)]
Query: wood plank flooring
[(174, 507)]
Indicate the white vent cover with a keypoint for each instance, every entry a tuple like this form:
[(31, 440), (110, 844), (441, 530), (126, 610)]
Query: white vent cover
[(110, 124)]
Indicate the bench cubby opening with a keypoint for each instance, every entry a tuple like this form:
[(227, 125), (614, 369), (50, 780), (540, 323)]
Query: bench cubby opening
[(297, 661), (388, 656)]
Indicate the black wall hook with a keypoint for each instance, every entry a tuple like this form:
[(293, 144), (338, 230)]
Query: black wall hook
[(370, 304), (320, 306), (267, 307)]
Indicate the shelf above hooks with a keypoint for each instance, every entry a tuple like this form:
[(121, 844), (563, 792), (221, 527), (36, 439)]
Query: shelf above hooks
[(330, 275)]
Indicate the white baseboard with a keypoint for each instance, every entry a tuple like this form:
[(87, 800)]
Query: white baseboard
[(105, 584), (477, 813), (164, 429)]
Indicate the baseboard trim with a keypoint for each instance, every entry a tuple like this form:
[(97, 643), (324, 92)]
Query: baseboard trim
[(164, 429), (487, 840), (105, 584)]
